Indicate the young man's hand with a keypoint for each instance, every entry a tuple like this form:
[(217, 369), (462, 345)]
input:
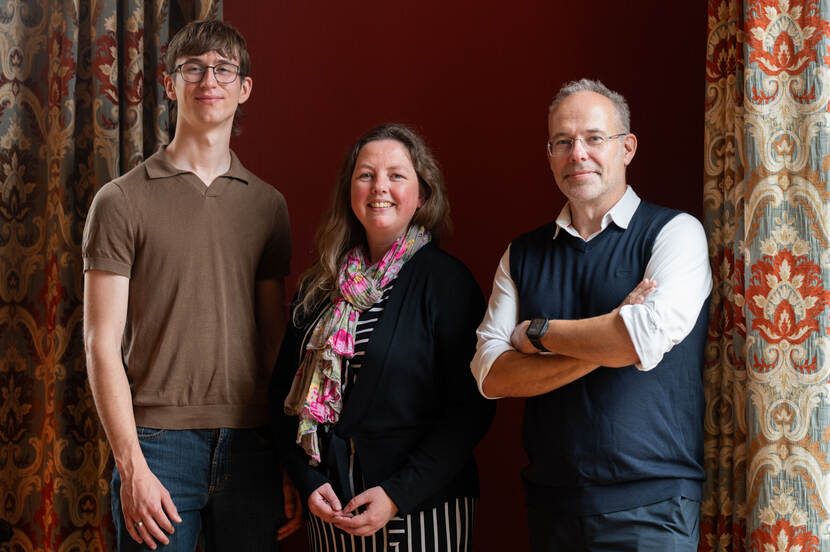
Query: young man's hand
[(292, 508), (147, 507)]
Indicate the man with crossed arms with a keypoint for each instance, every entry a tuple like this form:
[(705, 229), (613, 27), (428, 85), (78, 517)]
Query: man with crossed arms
[(614, 412)]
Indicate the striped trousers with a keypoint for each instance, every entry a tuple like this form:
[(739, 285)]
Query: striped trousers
[(446, 528)]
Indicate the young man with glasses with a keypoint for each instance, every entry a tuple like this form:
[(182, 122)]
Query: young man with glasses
[(185, 258), (613, 422)]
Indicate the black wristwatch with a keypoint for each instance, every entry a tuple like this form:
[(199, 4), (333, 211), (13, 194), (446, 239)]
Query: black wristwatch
[(537, 328)]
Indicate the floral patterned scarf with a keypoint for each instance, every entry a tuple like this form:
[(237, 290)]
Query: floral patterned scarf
[(315, 394)]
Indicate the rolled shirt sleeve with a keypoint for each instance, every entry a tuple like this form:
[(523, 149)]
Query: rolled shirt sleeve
[(680, 266), (493, 334)]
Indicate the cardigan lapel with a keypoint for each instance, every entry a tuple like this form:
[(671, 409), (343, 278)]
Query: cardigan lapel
[(377, 350)]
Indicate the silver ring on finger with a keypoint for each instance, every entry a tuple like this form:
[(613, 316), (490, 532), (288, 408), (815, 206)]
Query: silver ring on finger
[(138, 524)]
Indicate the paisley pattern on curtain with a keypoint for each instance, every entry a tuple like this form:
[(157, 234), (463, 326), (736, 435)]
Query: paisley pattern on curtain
[(767, 157), (81, 102)]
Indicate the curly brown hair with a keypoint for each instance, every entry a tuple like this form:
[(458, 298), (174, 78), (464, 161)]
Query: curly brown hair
[(341, 231)]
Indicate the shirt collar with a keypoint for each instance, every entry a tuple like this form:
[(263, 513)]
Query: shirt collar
[(620, 214), (159, 166)]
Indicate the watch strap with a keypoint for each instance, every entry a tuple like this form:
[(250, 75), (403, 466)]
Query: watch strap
[(537, 343)]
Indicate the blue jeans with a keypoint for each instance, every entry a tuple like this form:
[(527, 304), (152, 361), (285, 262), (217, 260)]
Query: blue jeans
[(667, 526), (225, 483)]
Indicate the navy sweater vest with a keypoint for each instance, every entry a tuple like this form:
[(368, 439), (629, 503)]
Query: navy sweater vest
[(617, 438)]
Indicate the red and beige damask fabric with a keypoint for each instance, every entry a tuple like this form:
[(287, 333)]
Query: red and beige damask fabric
[(81, 102), (767, 162)]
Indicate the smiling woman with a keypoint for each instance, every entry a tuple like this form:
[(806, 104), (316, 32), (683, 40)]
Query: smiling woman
[(372, 395), (343, 228), (385, 193)]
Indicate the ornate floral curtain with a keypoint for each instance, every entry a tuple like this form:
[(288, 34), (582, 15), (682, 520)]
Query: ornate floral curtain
[(81, 102), (767, 162)]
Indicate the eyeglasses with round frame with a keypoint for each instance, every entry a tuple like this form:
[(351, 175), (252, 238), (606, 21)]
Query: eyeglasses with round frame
[(224, 73), (564, 146)]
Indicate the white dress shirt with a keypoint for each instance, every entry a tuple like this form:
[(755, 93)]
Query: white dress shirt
[(679, 264)]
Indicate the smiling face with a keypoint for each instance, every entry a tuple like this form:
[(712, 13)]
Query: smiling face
[(385, 193), (207, 104), (590, 177)]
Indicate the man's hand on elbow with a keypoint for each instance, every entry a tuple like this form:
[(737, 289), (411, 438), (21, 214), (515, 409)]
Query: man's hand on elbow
[(519, 340), (638, 295)]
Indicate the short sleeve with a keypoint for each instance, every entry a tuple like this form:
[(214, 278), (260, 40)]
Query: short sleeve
[(275, 262), (109, 239)]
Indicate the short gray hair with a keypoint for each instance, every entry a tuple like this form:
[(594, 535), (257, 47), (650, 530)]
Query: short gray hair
[(588, 85)]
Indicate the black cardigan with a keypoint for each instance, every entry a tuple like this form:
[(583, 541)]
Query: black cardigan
[(415, 412)]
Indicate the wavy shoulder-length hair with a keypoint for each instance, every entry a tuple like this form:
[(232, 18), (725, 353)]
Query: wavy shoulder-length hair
[(341, 231)]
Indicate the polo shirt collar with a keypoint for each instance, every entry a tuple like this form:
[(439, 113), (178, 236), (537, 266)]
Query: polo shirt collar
[(159, 166), (620, 214)]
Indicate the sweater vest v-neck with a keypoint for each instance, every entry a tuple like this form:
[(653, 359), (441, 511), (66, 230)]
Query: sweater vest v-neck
[(616, 438)]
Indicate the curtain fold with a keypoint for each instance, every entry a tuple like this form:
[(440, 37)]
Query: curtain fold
[(81, 102), (767, 147)]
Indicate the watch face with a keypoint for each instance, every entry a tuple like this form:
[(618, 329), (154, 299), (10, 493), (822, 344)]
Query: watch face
[(537, 327)]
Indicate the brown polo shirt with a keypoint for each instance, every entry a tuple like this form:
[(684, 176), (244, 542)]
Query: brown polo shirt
[(193, 254)]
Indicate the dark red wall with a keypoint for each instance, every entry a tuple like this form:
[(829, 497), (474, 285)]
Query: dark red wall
[(475, 79)]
